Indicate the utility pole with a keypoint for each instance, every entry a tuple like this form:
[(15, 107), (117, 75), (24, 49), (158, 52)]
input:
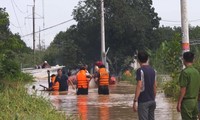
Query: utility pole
[(40, 47), (103, 49), (43, 41), (34, 31), (184, 27)]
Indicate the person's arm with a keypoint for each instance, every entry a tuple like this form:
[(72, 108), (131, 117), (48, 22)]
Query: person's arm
[(154, 88), (183, 84), (56, 80), (70, 81), (138, 88), (180, 99), (137, 94)]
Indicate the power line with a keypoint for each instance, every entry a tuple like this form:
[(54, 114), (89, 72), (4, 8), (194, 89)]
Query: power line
[(18, 7), (14, 25), (173, 21), (16, 17), (194, 20), (49, 27)]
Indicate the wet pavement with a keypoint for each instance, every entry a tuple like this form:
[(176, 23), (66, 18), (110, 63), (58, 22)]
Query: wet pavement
[(116, 106)]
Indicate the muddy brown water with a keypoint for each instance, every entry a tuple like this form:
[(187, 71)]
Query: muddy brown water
[(116, 106)]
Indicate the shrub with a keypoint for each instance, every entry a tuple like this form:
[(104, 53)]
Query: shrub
[(129, 77), (17, 104), (171, 88)]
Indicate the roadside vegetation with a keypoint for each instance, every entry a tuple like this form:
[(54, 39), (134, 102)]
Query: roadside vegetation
[(167, 61), (130, 26), (128, 75), (16, 103)]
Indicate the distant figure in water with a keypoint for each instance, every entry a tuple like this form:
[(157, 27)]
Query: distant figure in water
[(45, 65), (54, 86), (62, 79), (103, 80), (83, 79)]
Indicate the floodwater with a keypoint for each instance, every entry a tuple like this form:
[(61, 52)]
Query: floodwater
[(116, 106)]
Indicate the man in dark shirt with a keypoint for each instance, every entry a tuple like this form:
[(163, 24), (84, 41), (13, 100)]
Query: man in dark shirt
[(145, 90), (62, 79)]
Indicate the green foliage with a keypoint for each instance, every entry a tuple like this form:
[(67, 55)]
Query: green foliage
[(63, 50), (17, 104), (167, 58), (130, 78), (10, 67), (129, 26), (11, 47), (194, 32), (171, 88)]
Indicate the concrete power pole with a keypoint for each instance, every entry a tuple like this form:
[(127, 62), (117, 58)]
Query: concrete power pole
[(40, 46), (103, 50), (34, 31), (184, 27)]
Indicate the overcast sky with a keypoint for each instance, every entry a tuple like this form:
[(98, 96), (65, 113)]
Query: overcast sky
[(57, 11)]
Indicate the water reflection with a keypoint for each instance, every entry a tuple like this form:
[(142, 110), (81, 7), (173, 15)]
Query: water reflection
[(104, 108), (116, 106), (82, 107)]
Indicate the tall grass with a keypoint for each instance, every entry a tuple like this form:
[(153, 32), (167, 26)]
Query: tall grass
[(17, 104)]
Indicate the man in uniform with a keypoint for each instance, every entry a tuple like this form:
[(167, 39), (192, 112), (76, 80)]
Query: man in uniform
[(189, 81)]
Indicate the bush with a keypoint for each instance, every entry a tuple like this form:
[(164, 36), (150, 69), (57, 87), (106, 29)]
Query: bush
[(129, 77), (23, 77), (17, 104), (171, 88), (10, 67)]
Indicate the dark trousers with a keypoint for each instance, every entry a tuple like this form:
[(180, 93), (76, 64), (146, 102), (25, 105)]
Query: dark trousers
[(104, 90), (146, 110), (82, 91)]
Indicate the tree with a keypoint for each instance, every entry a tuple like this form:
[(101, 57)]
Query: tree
[(129, 26), (63, 49), (11, 47)]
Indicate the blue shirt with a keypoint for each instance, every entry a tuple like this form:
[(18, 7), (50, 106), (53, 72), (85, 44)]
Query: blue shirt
[(148, 76)]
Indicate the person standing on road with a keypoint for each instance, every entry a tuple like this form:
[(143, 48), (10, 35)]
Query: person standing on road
[(189, 82), (145, 92)]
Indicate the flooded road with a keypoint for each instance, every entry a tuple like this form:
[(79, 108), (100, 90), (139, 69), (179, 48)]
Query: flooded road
[(116, 106)]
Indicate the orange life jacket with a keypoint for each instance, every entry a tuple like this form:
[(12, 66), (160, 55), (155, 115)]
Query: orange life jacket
[(104, 77), (55, 85), (82, 81)]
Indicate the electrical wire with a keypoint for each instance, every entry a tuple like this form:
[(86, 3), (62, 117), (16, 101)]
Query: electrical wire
[(49, 27), (14, 25), (18, 7), (16, 16), (173, 21)]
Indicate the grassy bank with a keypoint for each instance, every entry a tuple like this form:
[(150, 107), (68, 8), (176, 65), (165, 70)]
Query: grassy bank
[(17, 104)]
